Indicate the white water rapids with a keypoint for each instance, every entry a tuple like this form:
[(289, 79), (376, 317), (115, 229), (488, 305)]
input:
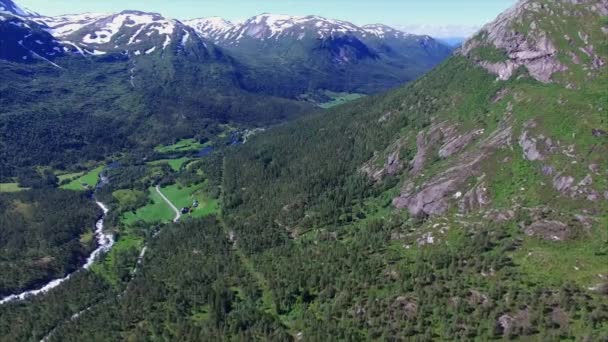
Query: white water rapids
[(104, 242)]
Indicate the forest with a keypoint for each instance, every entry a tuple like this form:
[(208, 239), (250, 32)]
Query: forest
[(45, 234)]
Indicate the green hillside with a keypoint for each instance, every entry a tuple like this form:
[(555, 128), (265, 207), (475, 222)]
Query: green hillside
[(468, 205)]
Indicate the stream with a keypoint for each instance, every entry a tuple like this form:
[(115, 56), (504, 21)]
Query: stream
[(104, 243)]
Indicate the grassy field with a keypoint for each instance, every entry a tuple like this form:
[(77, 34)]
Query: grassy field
[(184, 197), (339, 98), (69, 176), (156, 211), (184, 145), (10, 187), (176, 164), (89, 179)]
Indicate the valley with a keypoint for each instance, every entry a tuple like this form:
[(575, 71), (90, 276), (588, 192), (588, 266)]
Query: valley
[(298, 178)]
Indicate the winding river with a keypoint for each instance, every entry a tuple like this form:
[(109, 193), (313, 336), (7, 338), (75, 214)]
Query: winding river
[(104, 243)]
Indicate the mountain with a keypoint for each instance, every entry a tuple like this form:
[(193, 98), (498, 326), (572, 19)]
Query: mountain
[(320, 54), (467, 205), (8, 6), (470, 204), (453, 41), (139, 77), (24, 41), (131, 31)]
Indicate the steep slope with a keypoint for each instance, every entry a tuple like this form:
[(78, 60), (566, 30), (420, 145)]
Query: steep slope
[(24, 41), (469, 205), (8, 6), (305, 55)]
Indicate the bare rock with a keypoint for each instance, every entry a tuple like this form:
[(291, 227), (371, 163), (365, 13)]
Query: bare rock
[(404, 307), (509, 322), (500, 215), (392, 166), (426, 239), (586, 181), (595, 168), (425, 141), (457, 143), (475, 199), (535, 51), (528, 144), (548, 170), (434, 196), (598, 133), (563, 183), (549, 230)]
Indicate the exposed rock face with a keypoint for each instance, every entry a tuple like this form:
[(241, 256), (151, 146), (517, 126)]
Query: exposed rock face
[(508, 322), (433, 197), (457, 144), (549, 230), (528, 144), (475, 199), (392, 166), (538, 54), (533, 50), (425, 141)]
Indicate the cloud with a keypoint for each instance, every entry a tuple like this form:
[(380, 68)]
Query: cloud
[(441, 31)]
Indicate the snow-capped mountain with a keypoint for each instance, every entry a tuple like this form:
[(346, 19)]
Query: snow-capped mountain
[(8, 6), (276, 26), (319, 53), (135, 32), (25, 41)]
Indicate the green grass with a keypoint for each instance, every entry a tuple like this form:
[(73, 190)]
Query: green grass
[(340, 98), (10, 187), (184, 145), (184, 197), (555, 262), (69, 176), (89, 179), (176, 164), (156, 211)]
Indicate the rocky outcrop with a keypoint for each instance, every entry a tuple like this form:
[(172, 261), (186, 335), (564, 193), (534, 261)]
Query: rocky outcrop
[(392, 166), (475, 199), (433, 196), (537, 52), (535, 49), (458, 143), (549, 230)]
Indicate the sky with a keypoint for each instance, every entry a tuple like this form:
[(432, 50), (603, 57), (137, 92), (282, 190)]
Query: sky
[(439, 18)]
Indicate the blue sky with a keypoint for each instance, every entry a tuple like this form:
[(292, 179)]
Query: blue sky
[(450, 16)]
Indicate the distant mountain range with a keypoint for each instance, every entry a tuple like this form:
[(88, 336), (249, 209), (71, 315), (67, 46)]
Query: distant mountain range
[(303, 55), (320, 53), (156, 78)]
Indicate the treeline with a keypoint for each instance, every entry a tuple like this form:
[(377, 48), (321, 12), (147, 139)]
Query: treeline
[(44, 235)]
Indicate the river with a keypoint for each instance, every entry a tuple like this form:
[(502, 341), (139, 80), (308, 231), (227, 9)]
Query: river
[(104, 243)]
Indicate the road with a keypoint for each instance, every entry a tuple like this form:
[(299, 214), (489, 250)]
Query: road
[(178, 214)]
